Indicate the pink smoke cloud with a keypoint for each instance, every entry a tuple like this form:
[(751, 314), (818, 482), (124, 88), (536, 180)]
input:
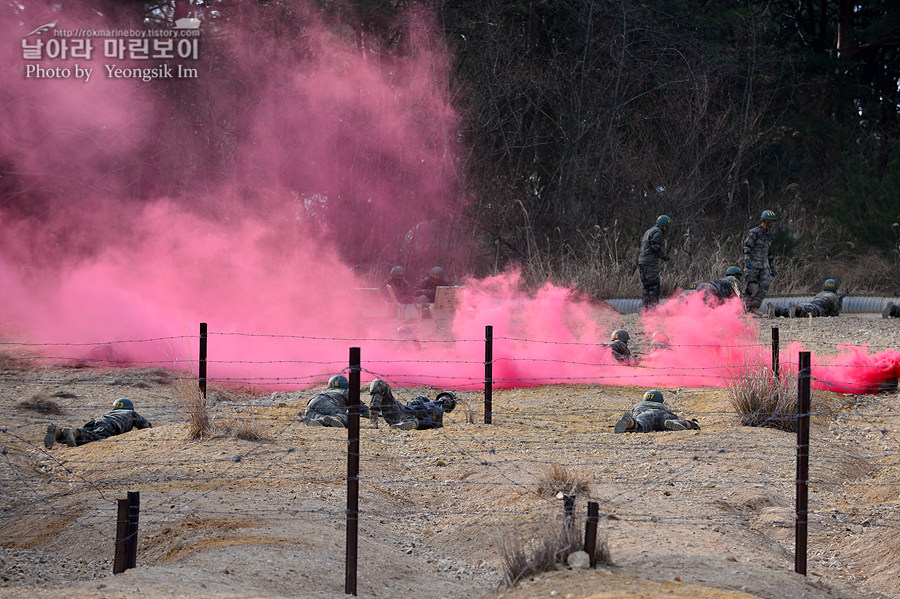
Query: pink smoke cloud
[(248, 197), (244, 197)]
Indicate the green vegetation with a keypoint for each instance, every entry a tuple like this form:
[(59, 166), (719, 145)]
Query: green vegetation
[(582, 120)]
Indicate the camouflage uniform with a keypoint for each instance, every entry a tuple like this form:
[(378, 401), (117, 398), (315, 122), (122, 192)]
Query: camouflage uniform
[(652, 251), (652, 416), (722, 288), (891, 310), (329, 408), (428, 286), (621, 352), (826, 303), (418, 413), (404, 292), (114, 422), (758, 263)]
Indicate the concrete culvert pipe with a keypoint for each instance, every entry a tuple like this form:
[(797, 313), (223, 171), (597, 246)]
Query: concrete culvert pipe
[(852, 304)]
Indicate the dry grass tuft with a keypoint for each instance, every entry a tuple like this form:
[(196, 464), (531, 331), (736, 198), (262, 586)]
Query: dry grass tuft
[(217, 393), (541, 546), (42, 403), (761, 400), (16, 363), (557, 479), (194, 406), (242, 428), (468, 409)]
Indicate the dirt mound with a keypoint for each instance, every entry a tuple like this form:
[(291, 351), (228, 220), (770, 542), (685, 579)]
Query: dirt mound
[(704, 513)]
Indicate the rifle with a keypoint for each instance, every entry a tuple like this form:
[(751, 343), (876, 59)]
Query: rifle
[(845, 294)]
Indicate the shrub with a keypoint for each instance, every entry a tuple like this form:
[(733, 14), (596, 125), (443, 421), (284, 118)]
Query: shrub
[(541, 546), (194, 407), (242, 428), (40, 402), (549, 544), (558, 479), (762, 400)]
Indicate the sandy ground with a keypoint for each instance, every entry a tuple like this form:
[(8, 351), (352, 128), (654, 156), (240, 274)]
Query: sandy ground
[(689, 514)]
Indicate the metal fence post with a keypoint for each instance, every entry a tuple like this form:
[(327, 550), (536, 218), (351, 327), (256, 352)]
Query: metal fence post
[(134, 509), (801, 530), (590, 531), (776, 360), (351, 554), (201, 369), (120, 560), (488, 373), (569, 507), (127, 512)]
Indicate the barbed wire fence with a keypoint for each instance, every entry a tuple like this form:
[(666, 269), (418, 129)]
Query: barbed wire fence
[(484, 461)]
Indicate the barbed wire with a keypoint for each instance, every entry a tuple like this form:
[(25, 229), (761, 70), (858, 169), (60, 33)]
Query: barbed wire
[(391, 460)]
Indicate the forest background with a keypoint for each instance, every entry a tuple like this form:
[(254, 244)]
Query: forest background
[(580, 121)]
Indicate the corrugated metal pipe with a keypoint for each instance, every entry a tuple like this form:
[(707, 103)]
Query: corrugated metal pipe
[(852, 304)]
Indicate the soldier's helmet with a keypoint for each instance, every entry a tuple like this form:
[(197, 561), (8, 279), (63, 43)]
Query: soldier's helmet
[(830, 285), (123, 404), (660, 338), (653, 395), (447, 400), (693, 285), (734, 271), (767, 215), (620, 335), (436, 273), (338, 381), (397, 272), (663, 221)]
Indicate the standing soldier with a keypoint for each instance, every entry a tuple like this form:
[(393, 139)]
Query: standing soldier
[(758, 262), (652, 251)]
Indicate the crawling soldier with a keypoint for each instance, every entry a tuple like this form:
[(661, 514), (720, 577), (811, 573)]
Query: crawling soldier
[(329, 408), (651, 414), (121, 419), (419, 413), (618, 344)]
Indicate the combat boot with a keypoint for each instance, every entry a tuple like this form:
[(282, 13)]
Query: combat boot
[(626, 423), (332, 421), (51, 437), (675, 425), (70, 435)]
